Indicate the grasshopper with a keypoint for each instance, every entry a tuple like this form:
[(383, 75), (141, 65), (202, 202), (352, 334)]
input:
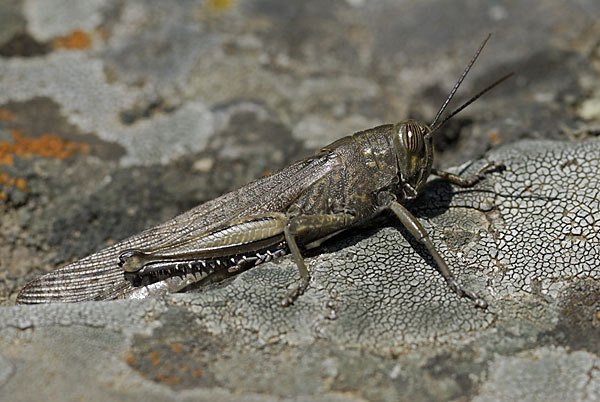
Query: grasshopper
[(345, 183)]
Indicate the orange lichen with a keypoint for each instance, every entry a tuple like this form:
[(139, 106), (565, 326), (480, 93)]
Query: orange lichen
[(46, 145), (6, 115), (19, 183), (220, 5), (495, 138), (7, 181), (176, 348), (5, 159), (75, 40), (154, 357), (172, 380), (130, 359)]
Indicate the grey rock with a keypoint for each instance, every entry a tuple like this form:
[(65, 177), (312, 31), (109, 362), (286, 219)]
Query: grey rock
[(377, 322), (182, 101), (539, 375)]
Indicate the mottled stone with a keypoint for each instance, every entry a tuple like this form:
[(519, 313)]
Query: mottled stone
[(373, 291), (247, 87)]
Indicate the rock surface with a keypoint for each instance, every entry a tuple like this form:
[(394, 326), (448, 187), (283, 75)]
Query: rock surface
[(115, 116), (377, 322)]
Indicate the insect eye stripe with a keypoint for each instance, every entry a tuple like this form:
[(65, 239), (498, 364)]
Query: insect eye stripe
[(412, 137)]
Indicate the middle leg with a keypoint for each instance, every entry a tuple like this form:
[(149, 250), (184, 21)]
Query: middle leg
[(309, 227)]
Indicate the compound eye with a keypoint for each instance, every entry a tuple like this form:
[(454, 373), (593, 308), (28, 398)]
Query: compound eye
[(412, 136)]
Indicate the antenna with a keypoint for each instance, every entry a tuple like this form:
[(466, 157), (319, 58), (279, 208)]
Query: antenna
[(473, 99), (433, 125), (460, 80)]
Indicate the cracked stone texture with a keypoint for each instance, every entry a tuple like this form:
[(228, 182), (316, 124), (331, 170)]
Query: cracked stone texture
[(179, 102)]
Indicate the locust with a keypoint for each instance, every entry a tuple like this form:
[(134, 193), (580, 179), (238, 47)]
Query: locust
[(345, 184)]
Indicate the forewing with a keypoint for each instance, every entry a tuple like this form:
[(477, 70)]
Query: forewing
[(98, 277)]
